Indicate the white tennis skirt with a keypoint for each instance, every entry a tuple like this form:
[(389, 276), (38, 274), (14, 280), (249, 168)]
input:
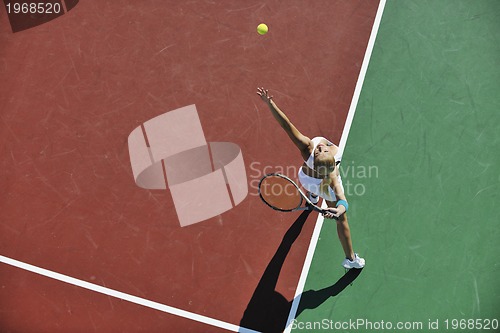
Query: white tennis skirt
[(314, 186)]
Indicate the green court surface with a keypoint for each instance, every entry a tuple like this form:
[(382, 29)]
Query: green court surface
[(421, 167)]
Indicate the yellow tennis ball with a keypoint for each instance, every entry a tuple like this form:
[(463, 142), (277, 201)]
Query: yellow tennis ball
[(262, 29)]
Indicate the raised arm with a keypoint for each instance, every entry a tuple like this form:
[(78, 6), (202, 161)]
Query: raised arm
[(302, 142)]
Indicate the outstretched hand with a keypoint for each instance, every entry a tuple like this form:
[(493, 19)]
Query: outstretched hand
[(264, 94)]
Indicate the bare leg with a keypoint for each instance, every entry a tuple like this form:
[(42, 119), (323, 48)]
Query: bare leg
[(344, 234)]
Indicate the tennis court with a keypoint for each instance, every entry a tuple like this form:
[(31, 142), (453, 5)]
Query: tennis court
[(90, 242), (422, 152)]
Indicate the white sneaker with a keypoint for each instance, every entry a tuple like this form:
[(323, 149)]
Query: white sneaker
[(356, 263), (313, 197)]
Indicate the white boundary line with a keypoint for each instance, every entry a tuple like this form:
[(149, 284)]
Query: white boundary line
[(126, 297), (362, 74), (343, 140)]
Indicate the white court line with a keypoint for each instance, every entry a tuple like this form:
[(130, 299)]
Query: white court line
[(125, 297), (343, 140), (362, 74)]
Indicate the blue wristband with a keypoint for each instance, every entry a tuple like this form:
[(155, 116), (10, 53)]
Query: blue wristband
[(343, 203)]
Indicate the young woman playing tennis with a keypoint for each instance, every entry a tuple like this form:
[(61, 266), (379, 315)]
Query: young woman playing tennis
[(320, 176)]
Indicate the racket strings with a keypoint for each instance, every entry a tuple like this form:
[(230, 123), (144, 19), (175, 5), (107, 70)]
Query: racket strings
[(280, 193)]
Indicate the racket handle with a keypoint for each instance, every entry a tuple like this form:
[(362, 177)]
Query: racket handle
[(316, 208)]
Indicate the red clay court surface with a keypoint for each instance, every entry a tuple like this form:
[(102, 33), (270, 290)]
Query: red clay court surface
[(73, 89)]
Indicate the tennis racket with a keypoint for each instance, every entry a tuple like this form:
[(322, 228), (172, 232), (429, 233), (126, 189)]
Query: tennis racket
[(281, 193)]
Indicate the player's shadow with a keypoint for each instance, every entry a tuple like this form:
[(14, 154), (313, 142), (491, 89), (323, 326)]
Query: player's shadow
[(268, 310), (311, 299)]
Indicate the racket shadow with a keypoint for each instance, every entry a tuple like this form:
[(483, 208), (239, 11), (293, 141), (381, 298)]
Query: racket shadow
[(268, 310)]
